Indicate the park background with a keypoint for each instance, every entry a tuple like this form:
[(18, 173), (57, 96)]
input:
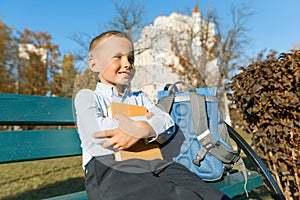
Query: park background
[(61, 31)]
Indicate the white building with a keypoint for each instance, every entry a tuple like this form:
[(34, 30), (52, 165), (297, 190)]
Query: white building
[(161, 47), (25, 48)]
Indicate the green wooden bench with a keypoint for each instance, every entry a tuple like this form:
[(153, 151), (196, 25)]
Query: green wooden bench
[(63, 140)]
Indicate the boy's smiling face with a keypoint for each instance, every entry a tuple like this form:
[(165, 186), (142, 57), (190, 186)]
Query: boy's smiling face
[(113, 58)]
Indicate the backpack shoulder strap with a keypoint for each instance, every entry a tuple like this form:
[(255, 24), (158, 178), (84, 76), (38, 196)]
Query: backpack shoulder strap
[(200, 122), (165, 103), (207, 140)]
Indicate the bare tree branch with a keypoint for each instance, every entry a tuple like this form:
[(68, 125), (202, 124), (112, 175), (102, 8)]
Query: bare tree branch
[(129, 15)]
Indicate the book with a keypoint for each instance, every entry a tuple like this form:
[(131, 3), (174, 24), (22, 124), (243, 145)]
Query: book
[(129, 110), (139, 150)]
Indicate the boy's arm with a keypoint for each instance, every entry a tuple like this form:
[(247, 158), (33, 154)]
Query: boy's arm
[(127, 134), (158, 126), (162, 123), (89, 118)]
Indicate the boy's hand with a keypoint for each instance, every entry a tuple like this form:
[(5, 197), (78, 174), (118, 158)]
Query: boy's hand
[(127, 134), (139, 129), (118, 139)]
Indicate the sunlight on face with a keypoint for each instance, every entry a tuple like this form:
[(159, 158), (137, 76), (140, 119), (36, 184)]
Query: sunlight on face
[(114, 59)]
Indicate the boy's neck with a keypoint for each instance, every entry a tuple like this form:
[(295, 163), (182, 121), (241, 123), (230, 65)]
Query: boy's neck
[(119, 89), (122, 89)]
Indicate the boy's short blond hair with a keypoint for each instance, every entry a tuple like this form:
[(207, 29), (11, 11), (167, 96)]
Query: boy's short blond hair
[(98, 39)]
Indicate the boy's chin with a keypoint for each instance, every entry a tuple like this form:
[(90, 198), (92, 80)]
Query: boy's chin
[(123, 84)]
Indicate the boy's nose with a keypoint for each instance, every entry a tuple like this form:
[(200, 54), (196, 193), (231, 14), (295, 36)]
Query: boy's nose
[(125, 62)]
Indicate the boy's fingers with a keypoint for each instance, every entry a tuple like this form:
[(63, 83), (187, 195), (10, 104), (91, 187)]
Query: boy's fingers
[(107, 143), (100, 134), (109, 133), (106, 133)]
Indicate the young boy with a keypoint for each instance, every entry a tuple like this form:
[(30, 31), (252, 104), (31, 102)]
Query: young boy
[(112, 59)]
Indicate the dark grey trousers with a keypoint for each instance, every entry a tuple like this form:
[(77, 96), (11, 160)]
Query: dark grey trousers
[(160, 181)]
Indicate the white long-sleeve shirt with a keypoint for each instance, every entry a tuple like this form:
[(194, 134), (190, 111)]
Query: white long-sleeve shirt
[(91, 114)]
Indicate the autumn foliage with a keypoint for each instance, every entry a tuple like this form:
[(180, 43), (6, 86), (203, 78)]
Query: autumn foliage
[(30, 64), (267, 92)]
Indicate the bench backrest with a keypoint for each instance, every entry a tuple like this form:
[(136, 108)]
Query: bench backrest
[(57, 136), (54, 117)]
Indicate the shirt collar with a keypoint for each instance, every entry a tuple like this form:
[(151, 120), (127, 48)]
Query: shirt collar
[(111, 92)]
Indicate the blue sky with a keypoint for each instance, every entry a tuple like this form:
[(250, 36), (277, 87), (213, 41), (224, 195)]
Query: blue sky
[(275, 24)]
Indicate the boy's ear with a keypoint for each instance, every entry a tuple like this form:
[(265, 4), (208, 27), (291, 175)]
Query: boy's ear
[(92, 64)]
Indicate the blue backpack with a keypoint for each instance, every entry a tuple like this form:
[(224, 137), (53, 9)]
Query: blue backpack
[(201, 142)]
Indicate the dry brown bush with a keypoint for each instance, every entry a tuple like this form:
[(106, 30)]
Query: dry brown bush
[(267, 92)]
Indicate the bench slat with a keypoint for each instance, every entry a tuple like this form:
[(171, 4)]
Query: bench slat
[(38, 144), (233, 185), (17, 109), (74, 196)]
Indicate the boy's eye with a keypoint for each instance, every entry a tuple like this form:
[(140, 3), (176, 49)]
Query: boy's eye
[(131, 59)]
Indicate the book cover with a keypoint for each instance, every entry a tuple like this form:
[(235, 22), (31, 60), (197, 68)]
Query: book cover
[(140, 150), (128, 110)]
